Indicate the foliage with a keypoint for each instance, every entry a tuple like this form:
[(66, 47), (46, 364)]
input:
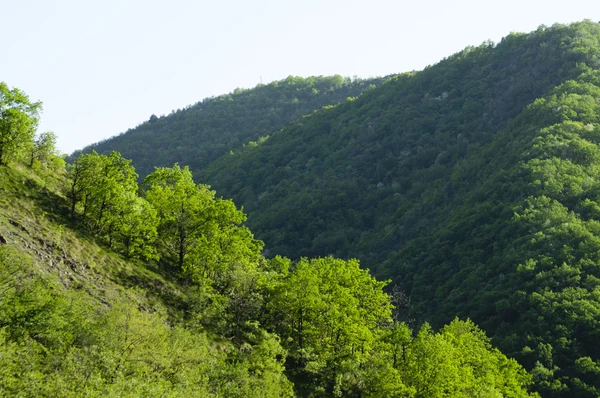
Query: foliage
[(203, 132), (472, 184), (60, 344), (105, 188), (329, 313), (202, 235), (18, 120), (43, 152), (239, 334), (457, 361)]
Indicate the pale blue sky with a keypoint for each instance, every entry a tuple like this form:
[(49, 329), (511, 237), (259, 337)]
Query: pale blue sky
[(102, 67)]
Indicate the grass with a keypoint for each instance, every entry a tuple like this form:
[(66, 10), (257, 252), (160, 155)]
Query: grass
[(34, 219)]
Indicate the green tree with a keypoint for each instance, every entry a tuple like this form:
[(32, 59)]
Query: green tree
[(136, 227), (457, 361), (18, 121), (105, 188), (329, 314), (81, 179), (102, 184), (180, 204), (200, 234), (107, 196), (43, 149)]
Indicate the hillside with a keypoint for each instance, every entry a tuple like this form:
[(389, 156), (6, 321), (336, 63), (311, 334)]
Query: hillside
[(205, 131), (79, 320), (108, 288), (473, 184)]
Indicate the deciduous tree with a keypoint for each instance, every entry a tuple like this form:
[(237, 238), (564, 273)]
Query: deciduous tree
[(18, 121)]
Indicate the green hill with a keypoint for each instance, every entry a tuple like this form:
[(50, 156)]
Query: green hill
[(111, 289), (209, 129), (473, 184)]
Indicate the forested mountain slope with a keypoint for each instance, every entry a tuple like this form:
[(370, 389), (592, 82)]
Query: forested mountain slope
[(473, 184), (201, 133), (109, 288)]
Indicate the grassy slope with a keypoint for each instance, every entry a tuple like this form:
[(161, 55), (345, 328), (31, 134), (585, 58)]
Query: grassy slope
[(77, 320), (33, 219)]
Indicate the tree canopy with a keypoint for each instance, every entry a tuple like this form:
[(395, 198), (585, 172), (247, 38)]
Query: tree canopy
[(203, 132), (471, 184), (18, 121)]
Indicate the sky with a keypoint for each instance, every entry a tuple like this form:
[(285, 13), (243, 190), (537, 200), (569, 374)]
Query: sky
[(103, 67)]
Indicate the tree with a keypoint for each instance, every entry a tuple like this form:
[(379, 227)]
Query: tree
[(18, 121), (81, 175), (102, 183), (107, 196), (457, 361), (179, 203), (107, 189), (43, 148), (136, 227), (329, 314), (200, 234)]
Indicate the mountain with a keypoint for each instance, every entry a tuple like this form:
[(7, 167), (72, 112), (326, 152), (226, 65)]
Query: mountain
[(201, 133), (473, 184), (109, 290)]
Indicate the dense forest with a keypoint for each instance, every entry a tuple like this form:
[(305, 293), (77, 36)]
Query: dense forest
[(203, 132), (472, 185), (112, 288)]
